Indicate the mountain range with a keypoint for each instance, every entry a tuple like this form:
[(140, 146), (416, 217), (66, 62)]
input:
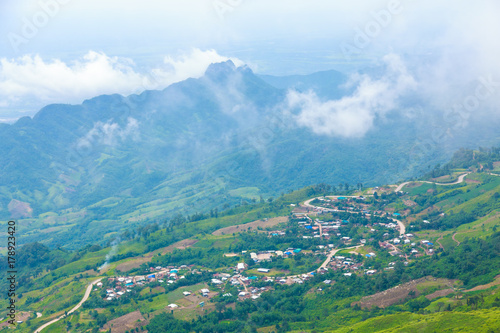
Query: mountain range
[(75, 173)]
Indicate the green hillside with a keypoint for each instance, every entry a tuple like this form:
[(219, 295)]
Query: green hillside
[(445, 276)]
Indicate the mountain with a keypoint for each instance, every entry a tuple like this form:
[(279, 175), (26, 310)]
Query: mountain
[(77, 173)]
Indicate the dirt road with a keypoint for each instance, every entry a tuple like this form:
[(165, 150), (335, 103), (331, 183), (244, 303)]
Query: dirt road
[(85, 297)]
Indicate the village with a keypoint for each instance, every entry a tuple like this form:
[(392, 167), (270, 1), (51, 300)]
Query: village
[(242, 282)]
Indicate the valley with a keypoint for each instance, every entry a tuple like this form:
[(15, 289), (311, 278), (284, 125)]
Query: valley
[(394, 240)]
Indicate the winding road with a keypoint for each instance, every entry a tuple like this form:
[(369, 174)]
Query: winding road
[(85, 297), (307, 203), (402, 228), (458, 181)]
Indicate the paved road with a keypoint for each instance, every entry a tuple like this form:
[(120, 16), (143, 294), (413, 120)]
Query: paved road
[(333, 252), (458, 181), (85, 297), (402, 228)]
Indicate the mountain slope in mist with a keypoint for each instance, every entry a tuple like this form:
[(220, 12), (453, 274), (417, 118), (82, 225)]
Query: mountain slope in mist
[(89, 170)]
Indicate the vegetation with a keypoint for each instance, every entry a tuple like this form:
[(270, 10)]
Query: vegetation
[(453, 287)]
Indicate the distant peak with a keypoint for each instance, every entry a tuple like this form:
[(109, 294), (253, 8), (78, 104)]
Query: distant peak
[(220, 69)]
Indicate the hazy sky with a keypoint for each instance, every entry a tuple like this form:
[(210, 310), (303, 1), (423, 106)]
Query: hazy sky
[(69, 50)]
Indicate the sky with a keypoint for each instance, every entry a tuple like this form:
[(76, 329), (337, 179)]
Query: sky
[(66, 51)]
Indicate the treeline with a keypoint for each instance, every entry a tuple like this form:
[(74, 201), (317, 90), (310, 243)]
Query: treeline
[(34, 259), (466, 158)]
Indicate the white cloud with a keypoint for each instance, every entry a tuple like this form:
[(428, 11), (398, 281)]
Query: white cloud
[(183, 67), (354, 115), (109, 134), (31, 82)]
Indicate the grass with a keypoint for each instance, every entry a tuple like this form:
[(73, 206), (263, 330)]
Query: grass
[(480, 228), (176, 294), (246, 192), (473, 321)]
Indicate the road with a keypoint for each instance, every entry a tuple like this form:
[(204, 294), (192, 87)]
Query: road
[(333, 252), (85, 297), (243, 284), (458, 181), (327, 260), (402, 228), (307, 203)]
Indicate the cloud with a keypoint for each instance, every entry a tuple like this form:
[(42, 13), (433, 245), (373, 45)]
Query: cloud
[(109, 134), (30, 82), (353, 115), (183, 67)]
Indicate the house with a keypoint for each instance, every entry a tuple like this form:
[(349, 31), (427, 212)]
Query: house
[(173, 306), (240, 266), (186, 293), (263, 270)]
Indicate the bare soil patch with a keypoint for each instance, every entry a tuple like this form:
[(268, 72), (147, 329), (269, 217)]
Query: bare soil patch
[(409, 203), (134, 263), (414, 184), (496, 282), (439, 293), (22, 316), (252, 225), (126, 323), (401, 292), (442, 179), (138, 261)]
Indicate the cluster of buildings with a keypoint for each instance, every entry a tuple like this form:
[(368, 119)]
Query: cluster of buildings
[(123, 284)]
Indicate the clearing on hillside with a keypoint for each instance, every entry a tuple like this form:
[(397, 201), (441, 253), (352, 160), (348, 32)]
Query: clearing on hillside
[(138, 261), (126, 323), (399, 293), (252, 225)]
